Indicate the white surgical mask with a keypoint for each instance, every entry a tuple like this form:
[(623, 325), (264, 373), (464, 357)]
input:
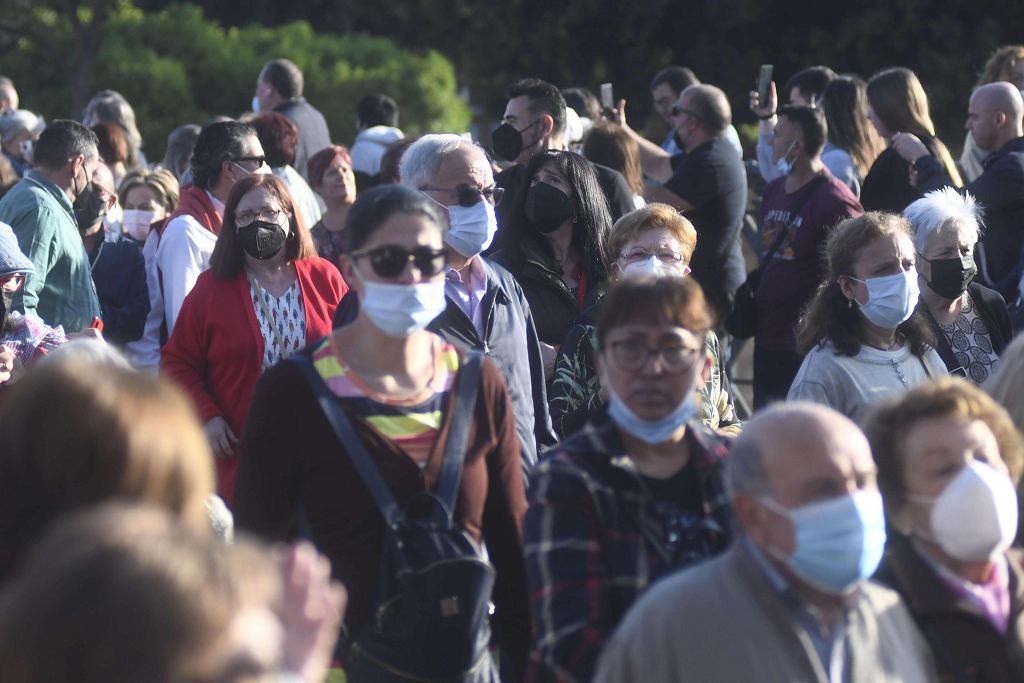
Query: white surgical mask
[(137, 222), (400, 310), (471, 228), (783, 165), (975, 517), (891, 299), (652, 267)]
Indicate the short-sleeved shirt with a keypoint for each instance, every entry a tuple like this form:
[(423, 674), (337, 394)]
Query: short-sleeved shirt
[(790, 277), (712, 179)]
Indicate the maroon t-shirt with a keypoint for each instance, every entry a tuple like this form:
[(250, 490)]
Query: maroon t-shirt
[(791, 276)]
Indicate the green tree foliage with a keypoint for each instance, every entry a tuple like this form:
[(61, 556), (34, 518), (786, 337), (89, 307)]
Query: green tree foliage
[(175, 67)]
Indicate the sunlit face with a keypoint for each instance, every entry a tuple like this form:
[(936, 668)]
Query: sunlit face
[(886, 255), (787, 139), (338, 182), (551, 174), (260, 204), (947, 242), (144, 198), (465, 166), (519, 115), (933, 451), (658, 242), (982, 121), (1017, 74), (405, 231)]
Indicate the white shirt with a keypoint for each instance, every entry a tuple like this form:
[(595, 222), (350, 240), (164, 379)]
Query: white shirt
[(183, 254), (144, 353)]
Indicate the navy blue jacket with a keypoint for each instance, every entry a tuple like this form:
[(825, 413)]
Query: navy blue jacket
[(119, 272)]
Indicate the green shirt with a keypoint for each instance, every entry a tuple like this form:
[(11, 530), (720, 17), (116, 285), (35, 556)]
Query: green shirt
[(61, 291)]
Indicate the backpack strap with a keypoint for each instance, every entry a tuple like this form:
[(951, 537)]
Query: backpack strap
[(458, 434), (353, 445)]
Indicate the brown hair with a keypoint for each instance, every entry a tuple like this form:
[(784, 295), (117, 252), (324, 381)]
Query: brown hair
[(279, 137), (128, 570), (161, 181), (899, 100), (319, 162), (77, 434), (112, 145), (1000, 63), (609, 145), (651, 217), (946, 397), (228, 258), (666, 299), (829, 315)]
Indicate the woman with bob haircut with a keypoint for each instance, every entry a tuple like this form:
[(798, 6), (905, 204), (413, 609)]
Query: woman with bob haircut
[(397, 384), (554, 244), (948, 457), (120, 434), (897, 103), (639, 491), (331, 176), (266, 295), (126, 593), (968, 320), (654, 241), (863, 339)]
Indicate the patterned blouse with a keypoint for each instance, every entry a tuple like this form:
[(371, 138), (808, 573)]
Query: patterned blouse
[(330, 244), (971, 342), (287, 315)]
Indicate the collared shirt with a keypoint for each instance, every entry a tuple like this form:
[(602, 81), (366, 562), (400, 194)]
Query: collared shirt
[(183, 253), (468, 297), (594, 541), (829, 643), (991, 598)]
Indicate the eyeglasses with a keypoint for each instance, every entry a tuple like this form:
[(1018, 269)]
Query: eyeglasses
[(269, 215), (13, 282), (666, 256), (678, 111), (632, 355), (470, 195), (390, 261), (259, 160)]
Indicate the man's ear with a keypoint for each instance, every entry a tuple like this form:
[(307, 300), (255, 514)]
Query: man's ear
[(547, 125), (1001, 119)]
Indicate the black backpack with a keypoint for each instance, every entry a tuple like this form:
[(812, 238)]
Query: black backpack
[(434, 590)]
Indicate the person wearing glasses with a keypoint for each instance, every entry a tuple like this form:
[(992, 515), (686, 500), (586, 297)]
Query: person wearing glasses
[(655, 241), (225, 153), (267, 295), (556, 243), (395, 382), (638, 492)]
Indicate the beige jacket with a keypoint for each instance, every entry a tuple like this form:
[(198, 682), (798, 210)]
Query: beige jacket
[(723, 622)]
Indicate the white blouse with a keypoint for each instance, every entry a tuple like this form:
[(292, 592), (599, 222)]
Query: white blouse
[(288, 317)]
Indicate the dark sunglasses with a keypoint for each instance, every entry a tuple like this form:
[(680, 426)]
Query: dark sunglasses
[(677, 110), (390, 261), (470, 195), (260, 160)]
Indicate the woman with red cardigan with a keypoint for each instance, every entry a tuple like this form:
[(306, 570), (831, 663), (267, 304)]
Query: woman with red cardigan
[(267, 295)]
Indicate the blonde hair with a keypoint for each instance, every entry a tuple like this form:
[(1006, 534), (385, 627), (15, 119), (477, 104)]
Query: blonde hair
[(899, 100), (77, 434), (160, 180), (999, 66), (652, 217)]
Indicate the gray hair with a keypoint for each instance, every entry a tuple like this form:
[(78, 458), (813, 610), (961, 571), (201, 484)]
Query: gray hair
[(938, 208), (21, 121), (744, 469), (420, 162)]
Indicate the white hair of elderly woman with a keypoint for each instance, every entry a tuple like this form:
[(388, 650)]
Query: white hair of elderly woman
[(939, 208), (93, 351)]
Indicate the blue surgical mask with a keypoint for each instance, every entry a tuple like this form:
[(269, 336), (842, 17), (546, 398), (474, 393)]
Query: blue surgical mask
[(255, 105), (783, 165), (839, 542), (400, 310), (648, 431), (891, 299)]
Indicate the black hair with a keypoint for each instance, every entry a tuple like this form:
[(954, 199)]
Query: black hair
[(583, 102), (61, 140), (544, 99), (811, 81), (679, 78), (284, 77), (812, 124), (592, 218), (377, 110), (373, 208), (217, 143)]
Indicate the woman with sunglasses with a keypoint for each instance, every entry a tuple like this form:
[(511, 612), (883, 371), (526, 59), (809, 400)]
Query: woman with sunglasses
[(555, 242), (638, 492), (266, 296), (396, 383)]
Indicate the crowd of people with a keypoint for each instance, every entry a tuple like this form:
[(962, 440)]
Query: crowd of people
[(423, 408)]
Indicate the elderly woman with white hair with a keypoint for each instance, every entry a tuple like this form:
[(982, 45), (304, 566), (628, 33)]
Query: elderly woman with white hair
[(970, 322)]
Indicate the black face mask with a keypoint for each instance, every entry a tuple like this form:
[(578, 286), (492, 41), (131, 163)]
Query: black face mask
[(261, 239), (546, 207), (89, 208), (508, 141), (951, 276)]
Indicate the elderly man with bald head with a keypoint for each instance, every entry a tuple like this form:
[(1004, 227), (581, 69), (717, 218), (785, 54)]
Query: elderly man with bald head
[(994, 117), (791, 601)]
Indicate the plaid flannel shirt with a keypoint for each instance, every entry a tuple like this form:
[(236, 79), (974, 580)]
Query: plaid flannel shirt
[(594, 541)]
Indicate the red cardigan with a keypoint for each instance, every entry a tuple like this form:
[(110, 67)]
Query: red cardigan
[(216, 350)]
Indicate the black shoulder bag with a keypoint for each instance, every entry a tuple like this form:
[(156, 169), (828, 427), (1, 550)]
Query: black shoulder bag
[(742, 321), (434, 590)]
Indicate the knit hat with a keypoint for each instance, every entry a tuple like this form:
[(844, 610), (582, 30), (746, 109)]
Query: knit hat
[(12, 259)]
